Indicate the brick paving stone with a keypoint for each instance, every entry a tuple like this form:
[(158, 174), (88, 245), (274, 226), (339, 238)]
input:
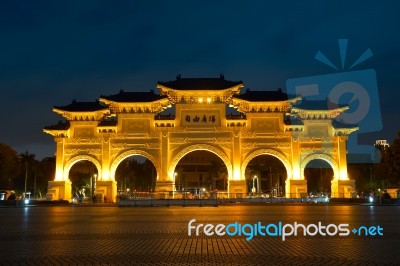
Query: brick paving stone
[(158, 236)]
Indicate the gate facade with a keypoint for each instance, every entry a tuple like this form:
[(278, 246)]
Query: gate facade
[(115, 127)]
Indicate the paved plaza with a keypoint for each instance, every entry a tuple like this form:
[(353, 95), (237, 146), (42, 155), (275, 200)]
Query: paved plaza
[(109, 235)]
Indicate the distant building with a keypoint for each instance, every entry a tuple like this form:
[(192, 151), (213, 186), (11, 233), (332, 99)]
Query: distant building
[(381, 143)]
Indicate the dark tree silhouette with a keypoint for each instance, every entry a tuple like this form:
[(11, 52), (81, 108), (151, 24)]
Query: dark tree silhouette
[(28, 161), (9, 166)]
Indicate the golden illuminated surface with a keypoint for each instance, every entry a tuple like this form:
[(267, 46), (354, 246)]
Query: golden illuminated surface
[(200, 123)]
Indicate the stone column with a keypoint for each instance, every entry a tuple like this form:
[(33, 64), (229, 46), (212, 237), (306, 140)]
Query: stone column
[(60, 188), (165, 181), (296, 185), (237, 183)]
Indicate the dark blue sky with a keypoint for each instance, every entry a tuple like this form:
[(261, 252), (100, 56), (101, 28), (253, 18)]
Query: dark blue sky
[(52, 52)]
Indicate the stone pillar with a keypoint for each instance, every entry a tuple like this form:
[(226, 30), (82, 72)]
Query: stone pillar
[(61, 187), (237, 188), (105, 160), (342, 188), (296, 188), (342, 158), (106, 190), (297, 172), (164, 182), (59, 190), (59, 176), (236, 157), (165, 185), (237, 182)]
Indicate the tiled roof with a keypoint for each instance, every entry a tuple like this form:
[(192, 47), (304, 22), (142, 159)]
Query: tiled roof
[(318, 105), (82, 107), (200, 83), (263, 96), (338, 124), (60, 126), (126, 97)]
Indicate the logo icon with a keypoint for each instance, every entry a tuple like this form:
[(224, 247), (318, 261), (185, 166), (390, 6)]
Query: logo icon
[(356, 89)]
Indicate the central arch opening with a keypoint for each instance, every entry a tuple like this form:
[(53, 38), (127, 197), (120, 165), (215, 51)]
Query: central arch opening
[(265, 175), (135, 173), (319, 175), (201, 170), (83, 175)]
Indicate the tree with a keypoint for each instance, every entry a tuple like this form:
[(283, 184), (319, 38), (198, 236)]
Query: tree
[(28, 160), (45, 171), (9, 166), (393, 161), (386, 173), (213, 171)]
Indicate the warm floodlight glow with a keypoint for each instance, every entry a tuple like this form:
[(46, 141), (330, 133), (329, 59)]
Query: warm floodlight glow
[(105, 175), (296, 173), (343, 175), (59, 175), (200, 122), (236, 174)]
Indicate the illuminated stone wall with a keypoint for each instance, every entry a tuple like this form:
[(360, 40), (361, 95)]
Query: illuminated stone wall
[(199, 123)]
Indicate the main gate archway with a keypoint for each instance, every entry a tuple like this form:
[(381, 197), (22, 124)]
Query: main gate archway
[(319, 175), (130, 153), (271, 152), (201, 169), (79, 158), (266, 174), (107, 131), (325, 157), (205, 147)]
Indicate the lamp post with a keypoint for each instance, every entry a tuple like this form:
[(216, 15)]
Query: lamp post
[(26, 177)]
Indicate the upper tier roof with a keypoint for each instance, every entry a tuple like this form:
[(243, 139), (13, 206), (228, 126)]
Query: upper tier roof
[(200, 83), (60, 126), (82, 107), (318, 105), (126, 97), (263, 96)]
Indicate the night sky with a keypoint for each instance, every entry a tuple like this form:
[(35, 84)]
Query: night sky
[(52, 52)]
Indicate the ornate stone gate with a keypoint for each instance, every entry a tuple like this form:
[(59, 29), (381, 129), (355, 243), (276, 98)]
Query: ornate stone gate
[(115, 127)]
